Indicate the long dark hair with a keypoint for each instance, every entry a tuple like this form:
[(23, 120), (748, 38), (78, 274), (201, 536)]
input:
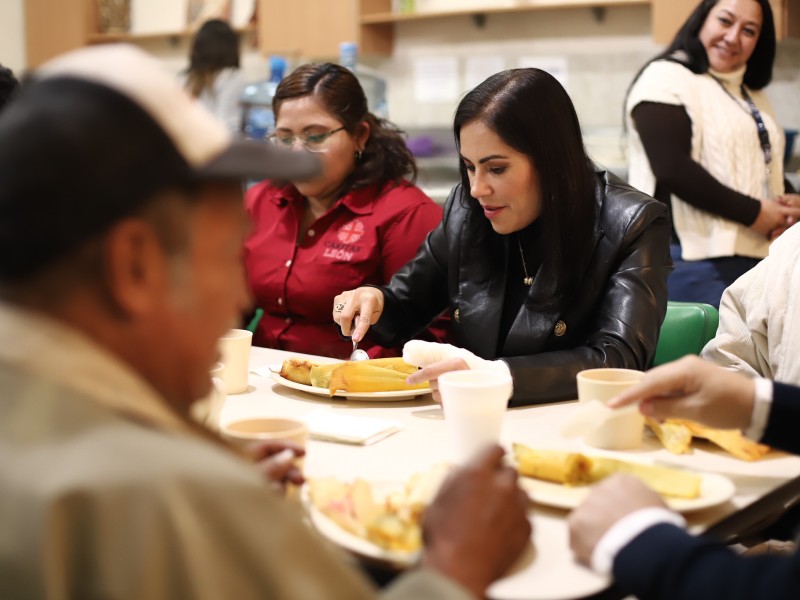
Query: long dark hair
[(386, 156), (533, 114), (215, 47), (687, 49)]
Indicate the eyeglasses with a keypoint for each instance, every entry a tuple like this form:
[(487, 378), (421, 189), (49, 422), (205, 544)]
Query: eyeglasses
[(313, 142)]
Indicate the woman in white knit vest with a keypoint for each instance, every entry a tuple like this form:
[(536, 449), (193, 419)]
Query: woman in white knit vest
[(703, 138)]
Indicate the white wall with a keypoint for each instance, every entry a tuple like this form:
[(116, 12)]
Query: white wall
[(12, 35)]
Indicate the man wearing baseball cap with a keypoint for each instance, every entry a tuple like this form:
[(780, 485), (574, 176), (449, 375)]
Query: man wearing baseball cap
[(121, 229)]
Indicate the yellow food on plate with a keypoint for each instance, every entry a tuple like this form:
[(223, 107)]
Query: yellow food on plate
[(374, 375), (667, 482), (573, 468), (392, 522), (297, 370), (551, 465), (361, 376), (676, 437), (730, 440), (321, 374)]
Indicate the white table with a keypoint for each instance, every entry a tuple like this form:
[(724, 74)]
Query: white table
[(548, 571)]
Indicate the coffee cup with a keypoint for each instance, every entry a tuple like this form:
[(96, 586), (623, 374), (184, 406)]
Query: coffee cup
[(244, 432), (619, 432)]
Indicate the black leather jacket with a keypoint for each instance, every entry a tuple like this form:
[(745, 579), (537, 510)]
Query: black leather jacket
[(613, 322)]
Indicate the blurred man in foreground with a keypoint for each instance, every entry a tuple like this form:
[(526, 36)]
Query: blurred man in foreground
[(121, 230), (624, 528)]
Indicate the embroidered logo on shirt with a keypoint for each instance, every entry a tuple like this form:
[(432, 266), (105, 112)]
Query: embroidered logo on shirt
[(351, 232)]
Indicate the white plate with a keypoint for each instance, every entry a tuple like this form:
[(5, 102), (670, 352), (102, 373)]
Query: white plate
[(374, 396), (359, 546), (714, 489)]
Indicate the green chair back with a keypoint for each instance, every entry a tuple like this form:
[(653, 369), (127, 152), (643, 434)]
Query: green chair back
[(687, 328)]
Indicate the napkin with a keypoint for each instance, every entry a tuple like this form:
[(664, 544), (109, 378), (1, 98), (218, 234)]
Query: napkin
[(332, 426)]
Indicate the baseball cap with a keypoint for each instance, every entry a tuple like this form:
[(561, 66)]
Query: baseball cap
[(90, 139)]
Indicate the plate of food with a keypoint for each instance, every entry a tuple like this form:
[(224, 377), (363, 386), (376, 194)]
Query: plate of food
[(376, 521), (380, 379), (563, 479)]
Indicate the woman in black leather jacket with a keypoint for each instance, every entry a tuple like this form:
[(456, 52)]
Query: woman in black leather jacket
[(541, 261)]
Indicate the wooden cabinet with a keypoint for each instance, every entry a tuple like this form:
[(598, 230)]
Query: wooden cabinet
[(55, 26), (314, 28), (669, 15)]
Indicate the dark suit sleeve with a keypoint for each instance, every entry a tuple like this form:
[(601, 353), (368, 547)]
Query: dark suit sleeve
[(666, 563), (784, 418)]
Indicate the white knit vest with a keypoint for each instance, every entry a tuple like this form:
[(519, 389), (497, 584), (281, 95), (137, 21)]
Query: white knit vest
[(724, 142)]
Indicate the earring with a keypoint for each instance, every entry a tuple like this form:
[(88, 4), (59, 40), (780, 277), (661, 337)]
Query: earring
[(359, 154)]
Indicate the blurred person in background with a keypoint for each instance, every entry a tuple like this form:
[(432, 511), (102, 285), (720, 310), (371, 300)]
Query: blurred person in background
[(703, 139), (110, 313), (546, 266), (624, 528), (8, 86), (355, 224), (213, 75)]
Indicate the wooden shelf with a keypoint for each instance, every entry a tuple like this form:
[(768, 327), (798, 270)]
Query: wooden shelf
[(381, 18), (126, 36)]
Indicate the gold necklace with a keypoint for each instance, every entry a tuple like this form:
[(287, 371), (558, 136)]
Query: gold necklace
[(528, 280)]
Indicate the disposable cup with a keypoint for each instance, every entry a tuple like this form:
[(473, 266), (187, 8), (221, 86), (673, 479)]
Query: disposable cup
[(621, 432), (474, 403), (234, 347)]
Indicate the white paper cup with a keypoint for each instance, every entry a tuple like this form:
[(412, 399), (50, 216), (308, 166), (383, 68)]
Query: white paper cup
[(474, 403), (258, 429), (234, 347), (622, 432)]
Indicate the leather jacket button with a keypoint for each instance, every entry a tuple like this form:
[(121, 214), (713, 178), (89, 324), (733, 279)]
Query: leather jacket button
[(560, 328), (457, 316)]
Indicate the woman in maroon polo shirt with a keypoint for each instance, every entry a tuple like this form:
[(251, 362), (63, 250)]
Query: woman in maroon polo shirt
[(353, 225)]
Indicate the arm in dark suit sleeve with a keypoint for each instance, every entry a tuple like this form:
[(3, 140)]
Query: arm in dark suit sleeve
[(784, 418), (666, 563)]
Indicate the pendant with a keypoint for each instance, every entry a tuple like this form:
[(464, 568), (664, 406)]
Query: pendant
[(528, 281)]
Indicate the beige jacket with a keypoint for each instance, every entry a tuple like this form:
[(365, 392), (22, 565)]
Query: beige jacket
[(106, 493), (759, 332)]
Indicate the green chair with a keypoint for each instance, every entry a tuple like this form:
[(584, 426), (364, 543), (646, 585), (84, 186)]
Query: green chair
[(687, 328)]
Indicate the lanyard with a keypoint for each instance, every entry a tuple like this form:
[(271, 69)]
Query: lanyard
[(761, 127)]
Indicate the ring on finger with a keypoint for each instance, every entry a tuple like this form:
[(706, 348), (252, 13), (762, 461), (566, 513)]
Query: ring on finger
[(339, 307)]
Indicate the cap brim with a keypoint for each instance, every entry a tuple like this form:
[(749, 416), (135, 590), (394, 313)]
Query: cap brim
[(245, 159)]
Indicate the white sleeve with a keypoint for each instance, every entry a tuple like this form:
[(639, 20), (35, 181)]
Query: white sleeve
[(421, 354), (761, 409)]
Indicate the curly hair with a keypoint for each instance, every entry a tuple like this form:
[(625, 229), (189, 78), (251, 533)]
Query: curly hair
[(386, 156)]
